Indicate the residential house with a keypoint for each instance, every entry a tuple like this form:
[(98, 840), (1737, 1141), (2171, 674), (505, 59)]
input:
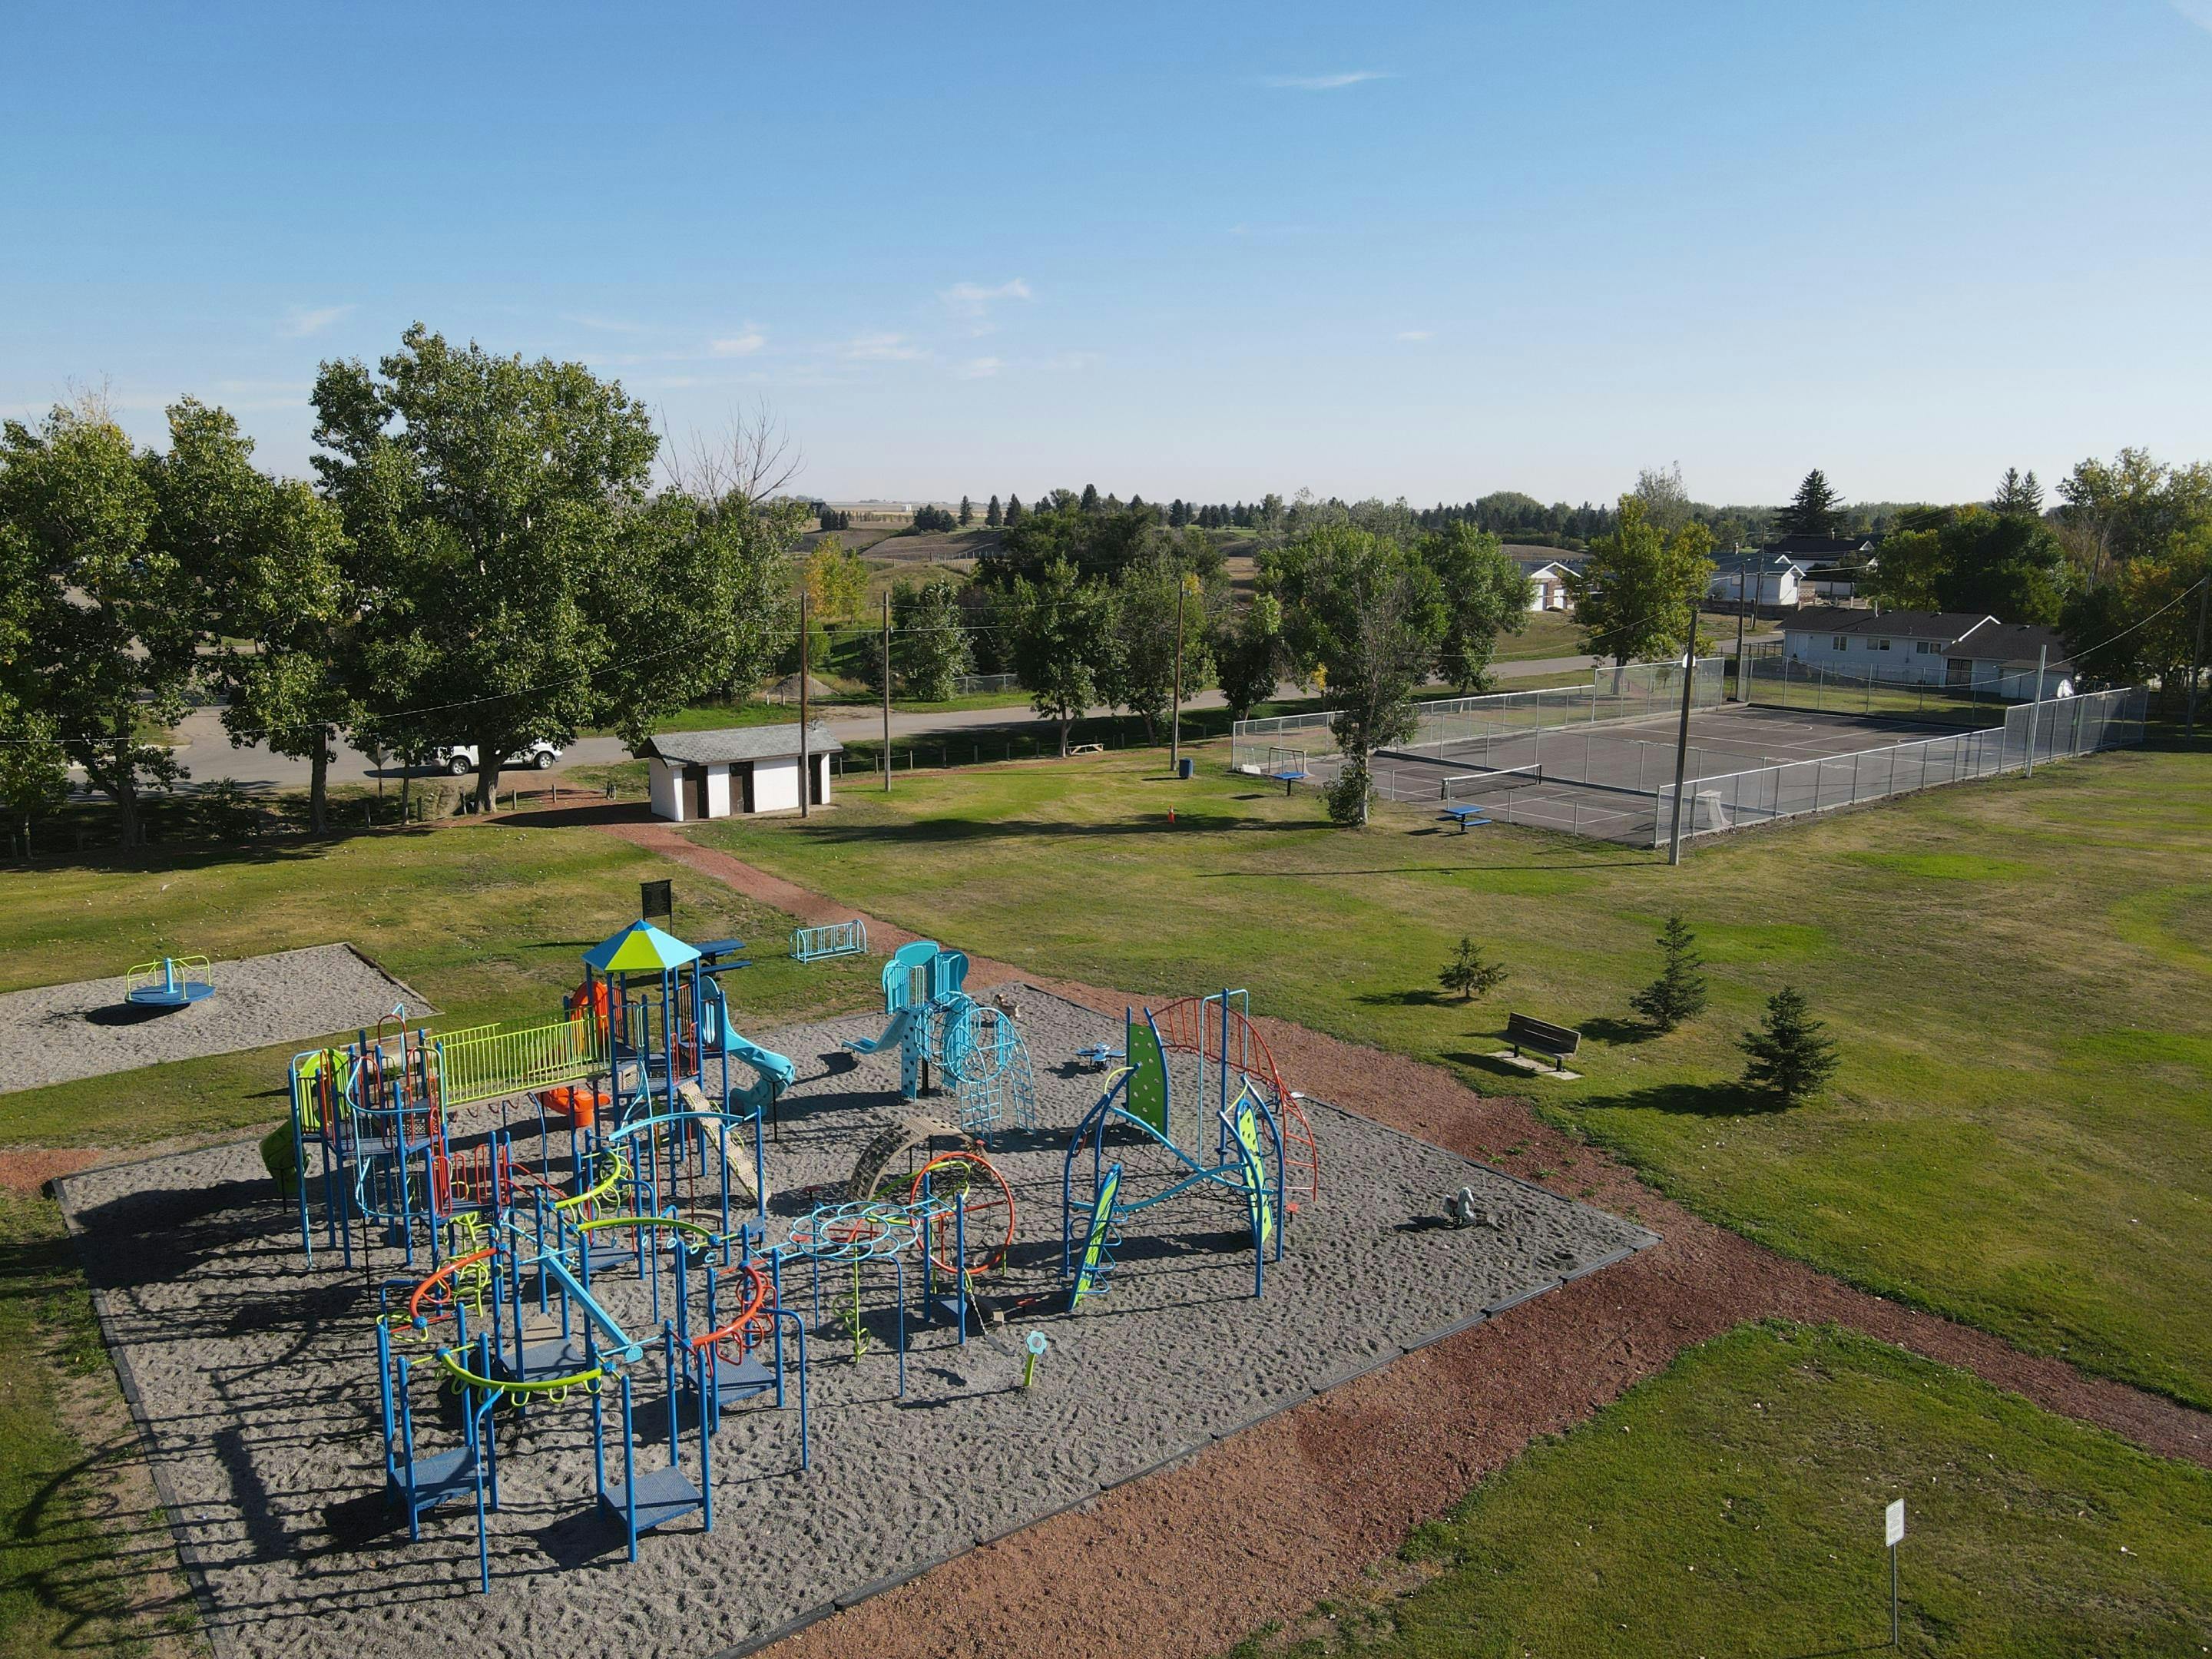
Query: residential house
[(1965, 649)]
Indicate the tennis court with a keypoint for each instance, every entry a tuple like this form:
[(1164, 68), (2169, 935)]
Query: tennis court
[(1604, 766)]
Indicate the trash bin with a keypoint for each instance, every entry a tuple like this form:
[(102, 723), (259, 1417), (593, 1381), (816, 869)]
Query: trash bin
[(1185, 768)]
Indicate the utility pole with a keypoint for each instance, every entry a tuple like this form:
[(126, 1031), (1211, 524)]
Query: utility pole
[(806, 761), (2035, 709), (1740, 697), (1175, 718), (887, 690), (1682, 737), (2196, 657)]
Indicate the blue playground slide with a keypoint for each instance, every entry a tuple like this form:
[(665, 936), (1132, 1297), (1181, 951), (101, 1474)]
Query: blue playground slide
[(894, 1033), (776, 1073)]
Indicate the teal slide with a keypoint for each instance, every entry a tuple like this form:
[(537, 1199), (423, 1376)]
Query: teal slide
[(894, 1033), (776, 1073)]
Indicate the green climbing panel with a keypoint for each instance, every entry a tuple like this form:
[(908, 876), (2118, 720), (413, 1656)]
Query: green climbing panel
[(1146, 1099)]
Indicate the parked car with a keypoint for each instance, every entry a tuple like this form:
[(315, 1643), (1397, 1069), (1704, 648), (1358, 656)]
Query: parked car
[(459, 759)]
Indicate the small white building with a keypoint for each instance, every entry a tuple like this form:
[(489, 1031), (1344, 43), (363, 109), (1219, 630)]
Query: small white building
[(1763, 578), (738, 772), (1964, 649)]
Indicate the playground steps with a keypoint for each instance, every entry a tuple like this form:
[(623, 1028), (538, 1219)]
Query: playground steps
[(663, 1495), (439, 1478), (741, 1379), (561, 1357)]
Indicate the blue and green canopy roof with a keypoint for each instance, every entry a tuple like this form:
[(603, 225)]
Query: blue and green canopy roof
[(641, 948)]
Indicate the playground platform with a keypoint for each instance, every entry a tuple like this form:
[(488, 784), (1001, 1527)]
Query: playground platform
[(56, 1033), (248, 1370)]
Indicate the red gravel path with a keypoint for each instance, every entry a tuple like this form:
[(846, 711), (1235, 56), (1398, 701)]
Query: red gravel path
[(1304, 1503)]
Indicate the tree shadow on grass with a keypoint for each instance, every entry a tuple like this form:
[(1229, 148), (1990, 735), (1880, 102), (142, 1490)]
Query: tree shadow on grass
[(1728, 1097), (1617, 1032), (1423, 998), (947, 831)]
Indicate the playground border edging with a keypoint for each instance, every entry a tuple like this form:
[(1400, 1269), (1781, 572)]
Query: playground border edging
[(119, 1357)]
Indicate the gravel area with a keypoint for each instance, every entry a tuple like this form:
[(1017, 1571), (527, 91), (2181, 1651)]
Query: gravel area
[(255, 1377), (59, 1032)]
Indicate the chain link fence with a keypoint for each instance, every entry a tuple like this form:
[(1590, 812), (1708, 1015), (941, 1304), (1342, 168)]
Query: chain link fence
[(2033, 734)]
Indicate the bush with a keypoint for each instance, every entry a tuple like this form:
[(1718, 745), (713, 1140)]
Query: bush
[(1347, 796), (1790, 1057)]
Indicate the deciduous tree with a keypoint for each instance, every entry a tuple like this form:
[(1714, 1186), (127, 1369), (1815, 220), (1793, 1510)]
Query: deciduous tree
[(111, 614), (1486, 594), (1055, 643), (1636, 596)]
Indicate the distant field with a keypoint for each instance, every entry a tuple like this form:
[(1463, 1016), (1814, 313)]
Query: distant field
[(2018, 972)]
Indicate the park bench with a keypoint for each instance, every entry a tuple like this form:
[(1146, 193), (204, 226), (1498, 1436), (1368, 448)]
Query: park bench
[(1559, 1042)]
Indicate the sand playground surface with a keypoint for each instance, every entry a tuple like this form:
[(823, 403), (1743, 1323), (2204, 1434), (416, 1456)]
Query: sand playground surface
[(255, 1379), (56, 1033)]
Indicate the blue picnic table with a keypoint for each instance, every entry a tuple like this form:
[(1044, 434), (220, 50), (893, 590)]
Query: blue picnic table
[(1465, 816), (713, 951)]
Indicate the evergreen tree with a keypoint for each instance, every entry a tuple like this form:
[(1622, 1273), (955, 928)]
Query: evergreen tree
[(1013, 510), (1790, 1057), (1178, 516), (992, 517), (1470, 972), (1815, 510), (967, 513), (1090, 498), (1678, 992), (2018, 496)]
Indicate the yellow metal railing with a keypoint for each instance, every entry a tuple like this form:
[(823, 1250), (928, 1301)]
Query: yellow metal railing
[(483, 1062)]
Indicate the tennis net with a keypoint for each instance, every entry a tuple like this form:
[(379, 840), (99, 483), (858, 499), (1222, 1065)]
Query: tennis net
[(1488, 780)]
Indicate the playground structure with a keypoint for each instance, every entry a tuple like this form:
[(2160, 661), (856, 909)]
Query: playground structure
[(172, 982), (976, 1047), (258, 1398), (1261, 1138), (640, 1071), (530, 1304)]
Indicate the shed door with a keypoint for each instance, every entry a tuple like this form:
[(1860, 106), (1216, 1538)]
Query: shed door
[(694, 793), (742, 772)]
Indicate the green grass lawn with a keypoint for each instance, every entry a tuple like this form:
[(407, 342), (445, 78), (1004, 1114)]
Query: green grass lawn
[(490, 922), (1733, 1505), (2017, 971), (75, 1549)]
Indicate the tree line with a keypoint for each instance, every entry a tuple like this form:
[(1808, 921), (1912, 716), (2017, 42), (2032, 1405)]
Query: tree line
[(484, 557)]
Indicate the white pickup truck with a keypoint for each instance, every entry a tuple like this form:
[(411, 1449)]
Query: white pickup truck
[(459, 759)]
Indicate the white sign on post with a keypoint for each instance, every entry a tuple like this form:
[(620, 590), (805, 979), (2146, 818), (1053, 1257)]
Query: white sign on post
[(1892, 1524)]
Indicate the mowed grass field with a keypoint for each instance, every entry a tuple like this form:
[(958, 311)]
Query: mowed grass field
[(487, 920), (1733, 1504), (2017, 973)]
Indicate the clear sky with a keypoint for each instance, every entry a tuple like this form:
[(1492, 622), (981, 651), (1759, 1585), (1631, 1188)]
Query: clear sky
[(1197, 250)]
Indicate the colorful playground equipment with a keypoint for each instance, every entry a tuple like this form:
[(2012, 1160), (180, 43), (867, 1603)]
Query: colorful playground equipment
[(172, 982), (517, 1320), (639, 1072), (975, 1046), (1259, 1137)]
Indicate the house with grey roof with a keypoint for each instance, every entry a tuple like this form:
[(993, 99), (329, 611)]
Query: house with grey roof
[(1964, 649), (737, 772)]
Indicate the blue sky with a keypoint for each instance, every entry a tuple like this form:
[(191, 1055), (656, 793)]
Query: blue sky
[(1428, 250)]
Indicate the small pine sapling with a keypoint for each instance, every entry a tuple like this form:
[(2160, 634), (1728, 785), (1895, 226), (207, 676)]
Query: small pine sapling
[(1789, 1056), (1470, 973), (1678, 992)]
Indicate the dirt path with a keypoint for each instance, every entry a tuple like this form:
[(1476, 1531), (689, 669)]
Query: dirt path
[(1257, 1528)]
